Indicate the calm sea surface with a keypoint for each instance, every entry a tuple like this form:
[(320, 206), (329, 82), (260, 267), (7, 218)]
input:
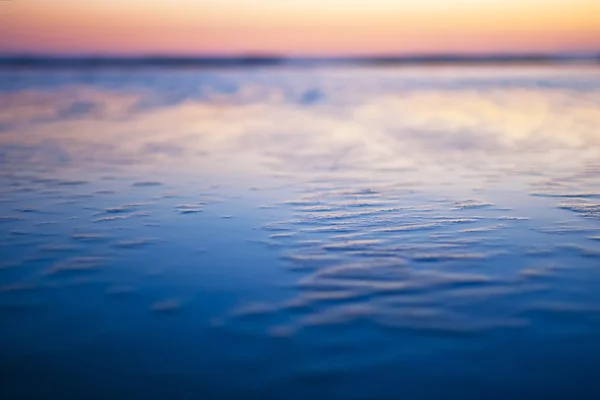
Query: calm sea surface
[(289, 233)]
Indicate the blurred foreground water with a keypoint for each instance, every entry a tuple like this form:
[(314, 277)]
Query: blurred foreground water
[(289, 233)]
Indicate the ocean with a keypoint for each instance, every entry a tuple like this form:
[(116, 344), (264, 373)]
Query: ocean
[(295, 232)]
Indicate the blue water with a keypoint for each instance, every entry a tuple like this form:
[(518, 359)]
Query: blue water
[(295, 233)]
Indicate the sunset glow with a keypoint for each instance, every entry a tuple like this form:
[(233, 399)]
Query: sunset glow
[(295, 27)]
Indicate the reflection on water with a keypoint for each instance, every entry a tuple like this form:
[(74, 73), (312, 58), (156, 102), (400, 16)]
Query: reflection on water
[(288, 233)]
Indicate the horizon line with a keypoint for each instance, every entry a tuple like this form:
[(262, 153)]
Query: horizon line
[(264, 58)]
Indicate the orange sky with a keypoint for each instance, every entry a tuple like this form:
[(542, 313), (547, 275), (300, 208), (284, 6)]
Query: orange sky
[(298, 27)]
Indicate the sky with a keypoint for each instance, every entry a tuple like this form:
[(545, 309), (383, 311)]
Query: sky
[(298, 27)]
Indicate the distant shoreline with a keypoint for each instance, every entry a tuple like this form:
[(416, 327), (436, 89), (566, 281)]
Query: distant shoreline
[(36, 61)]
